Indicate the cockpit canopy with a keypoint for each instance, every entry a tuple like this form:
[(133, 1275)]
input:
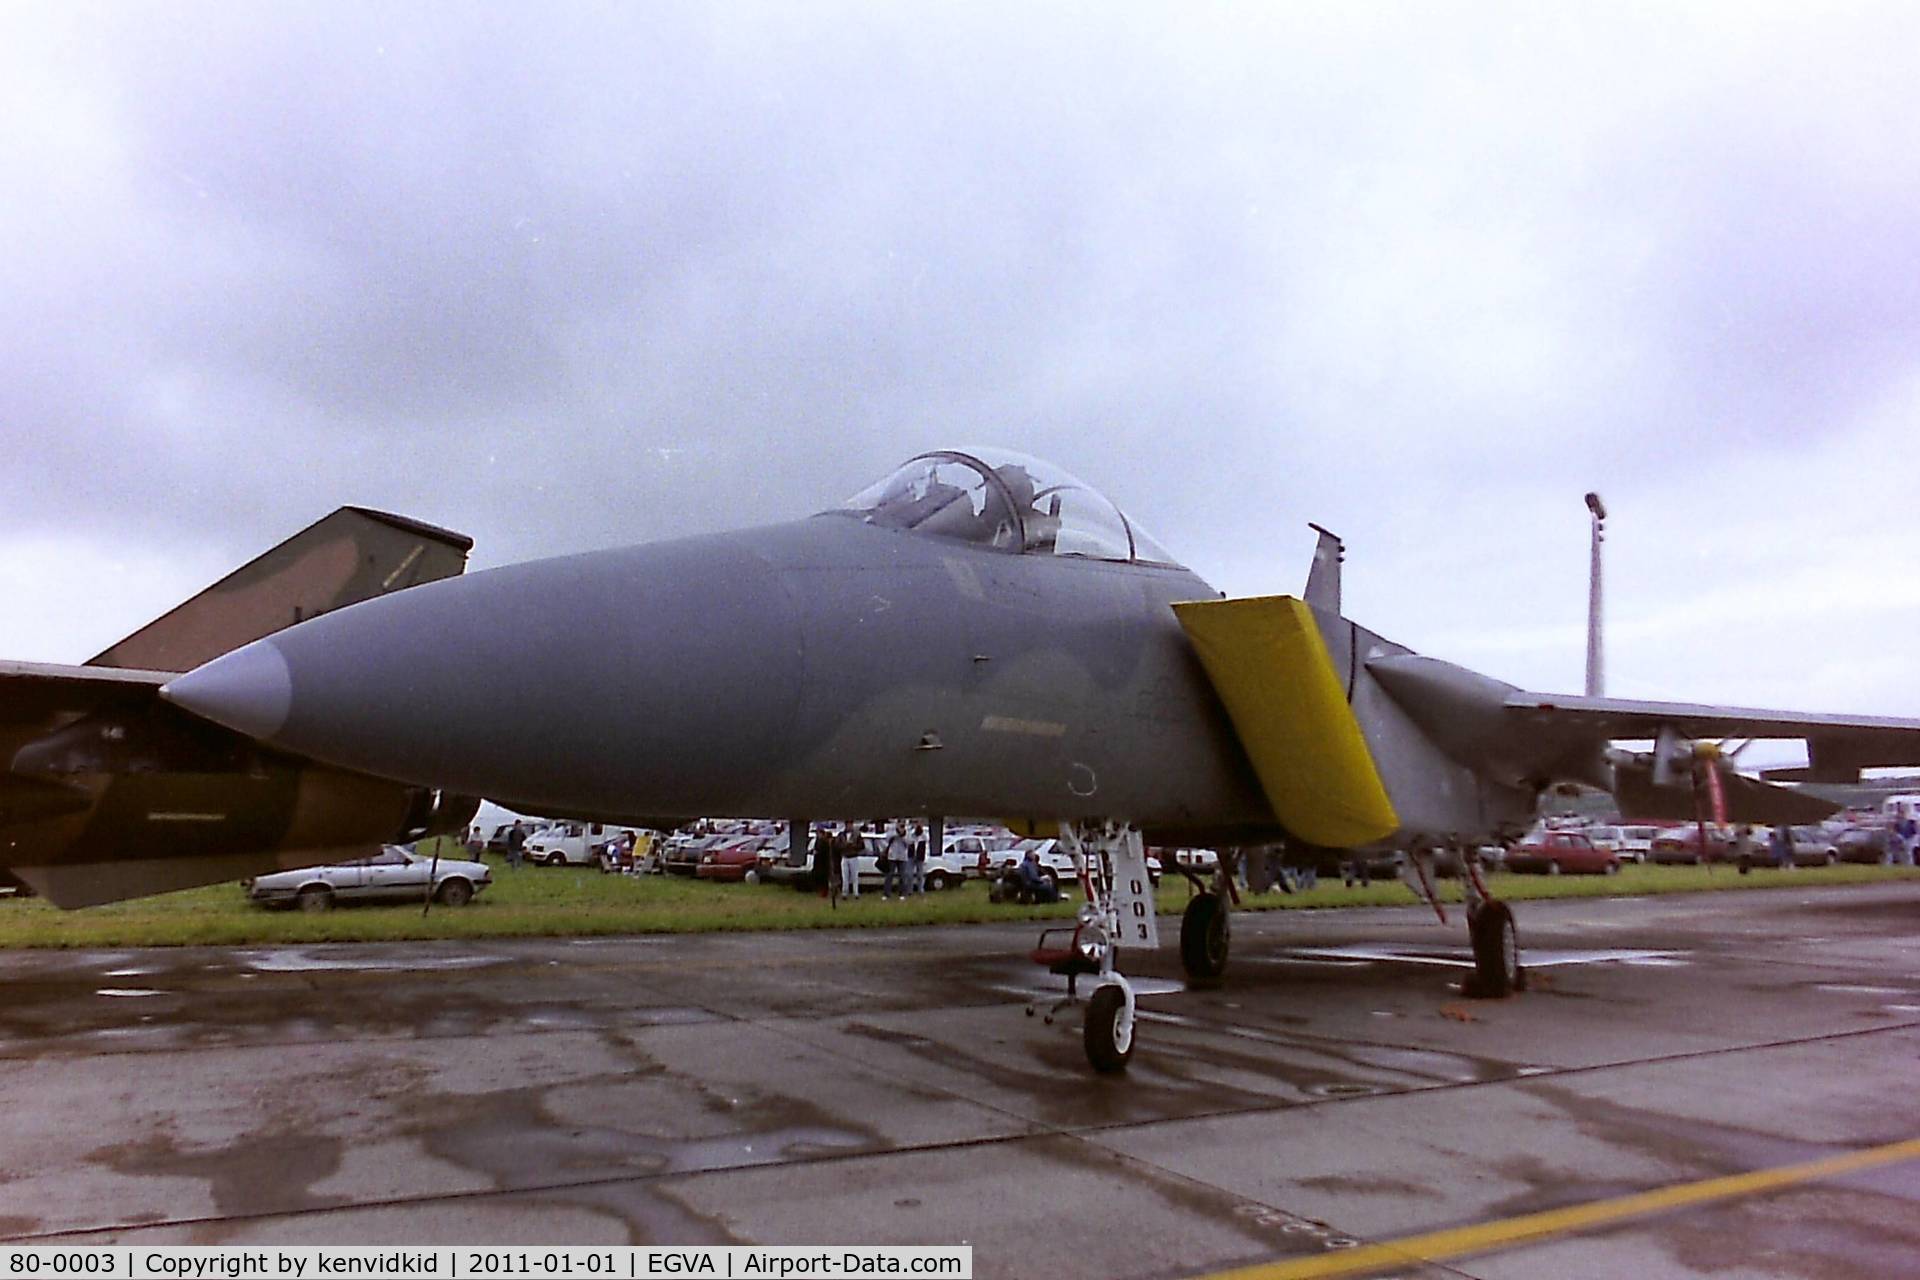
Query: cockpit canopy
[(1004, 500)]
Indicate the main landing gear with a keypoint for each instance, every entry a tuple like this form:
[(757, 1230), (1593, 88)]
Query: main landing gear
[(1205, 930), (1490, 927)]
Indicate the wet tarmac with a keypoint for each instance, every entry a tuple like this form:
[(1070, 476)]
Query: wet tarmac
[(887, 1087)]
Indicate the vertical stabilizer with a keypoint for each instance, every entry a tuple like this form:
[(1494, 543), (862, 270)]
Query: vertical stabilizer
[(1323, 581), (339, 560)]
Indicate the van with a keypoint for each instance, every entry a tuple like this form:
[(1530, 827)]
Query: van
[(571, 843)]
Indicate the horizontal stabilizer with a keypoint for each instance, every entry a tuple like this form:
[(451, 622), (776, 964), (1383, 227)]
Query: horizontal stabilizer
[(349, 556), (1267, 660)]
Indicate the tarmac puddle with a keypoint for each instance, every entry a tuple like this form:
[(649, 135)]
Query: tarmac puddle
[(1141, 987), (1461, 958), (130, 992), (301, 961)]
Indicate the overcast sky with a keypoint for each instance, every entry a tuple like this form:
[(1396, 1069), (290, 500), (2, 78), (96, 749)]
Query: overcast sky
[(568, 277)]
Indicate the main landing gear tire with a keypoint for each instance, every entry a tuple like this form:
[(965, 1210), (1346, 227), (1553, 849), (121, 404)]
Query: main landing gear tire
[(1109, 1039), (1205, 937), (1496, 952)]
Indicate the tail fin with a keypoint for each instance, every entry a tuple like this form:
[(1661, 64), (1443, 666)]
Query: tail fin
[(1323, 580), (346, 557)]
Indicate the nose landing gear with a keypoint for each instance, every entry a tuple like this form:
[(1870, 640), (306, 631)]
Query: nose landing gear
[(1112, 864)]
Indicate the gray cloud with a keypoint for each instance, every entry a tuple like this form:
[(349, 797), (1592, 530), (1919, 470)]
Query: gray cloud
[(566, 277)]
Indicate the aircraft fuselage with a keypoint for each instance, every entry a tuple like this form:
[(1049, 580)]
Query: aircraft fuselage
[(824, 667)]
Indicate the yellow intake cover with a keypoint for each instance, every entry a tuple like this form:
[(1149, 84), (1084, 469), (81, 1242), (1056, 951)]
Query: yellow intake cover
[(1268, 662)]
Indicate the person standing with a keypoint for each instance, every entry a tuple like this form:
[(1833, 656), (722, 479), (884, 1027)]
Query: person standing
[(1906, 832), (1780, 844), (893, 870), (847, 854), (516, 841), (917, 861)]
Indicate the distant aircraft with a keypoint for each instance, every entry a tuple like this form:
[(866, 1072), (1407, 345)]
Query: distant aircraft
[(108, 792), (979, 633)]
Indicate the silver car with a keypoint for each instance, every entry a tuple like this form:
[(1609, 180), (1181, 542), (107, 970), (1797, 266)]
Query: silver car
[(395, 874)]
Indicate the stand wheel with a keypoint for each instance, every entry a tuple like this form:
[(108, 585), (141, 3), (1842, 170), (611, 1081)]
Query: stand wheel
[(1204, 937), (1109, 1037)]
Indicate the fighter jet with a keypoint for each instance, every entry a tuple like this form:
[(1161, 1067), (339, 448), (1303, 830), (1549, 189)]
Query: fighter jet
[(978, 633), (109, 793)]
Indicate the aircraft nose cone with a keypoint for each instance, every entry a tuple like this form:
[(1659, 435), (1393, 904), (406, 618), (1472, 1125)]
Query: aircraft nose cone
[(249, 690), (610, 682)]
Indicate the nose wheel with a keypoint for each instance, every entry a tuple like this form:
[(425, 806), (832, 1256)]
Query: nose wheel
[(1109, 1029)]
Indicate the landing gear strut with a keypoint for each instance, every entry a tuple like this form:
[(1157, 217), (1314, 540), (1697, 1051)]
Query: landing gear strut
[(1490, 928), (1113, 867)]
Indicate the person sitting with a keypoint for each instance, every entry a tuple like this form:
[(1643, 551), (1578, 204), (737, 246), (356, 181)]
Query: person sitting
[(1032, 881)]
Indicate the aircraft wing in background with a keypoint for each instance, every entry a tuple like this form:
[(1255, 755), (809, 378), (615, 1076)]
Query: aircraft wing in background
[(108, 792)]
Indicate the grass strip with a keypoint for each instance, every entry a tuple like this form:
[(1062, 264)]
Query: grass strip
[(549, 902)]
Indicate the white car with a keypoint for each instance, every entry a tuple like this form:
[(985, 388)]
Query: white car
[(1630, 844), (948, 869), (572, 843), (1056, 864), (395, 874)]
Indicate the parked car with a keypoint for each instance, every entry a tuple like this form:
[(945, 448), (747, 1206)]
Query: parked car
[(1680, 846), (1629, 844), (494, 839), (683, 852), (1373, 864), (1056, 864), (1202, 861), (732, 858), (1812, 847), (619, 857), (395, 874), (1446, 862), (1870, 845), (571, 843), (958, 859), (1557, 852)]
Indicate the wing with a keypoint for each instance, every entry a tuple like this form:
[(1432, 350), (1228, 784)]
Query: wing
[(108, 792), (1838, 746)]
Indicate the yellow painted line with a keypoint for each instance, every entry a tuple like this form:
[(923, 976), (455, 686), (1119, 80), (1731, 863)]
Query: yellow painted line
[(1486, 1237)]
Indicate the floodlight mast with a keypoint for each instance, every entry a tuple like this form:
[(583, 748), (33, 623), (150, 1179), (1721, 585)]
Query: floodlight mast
[(1596, 668)]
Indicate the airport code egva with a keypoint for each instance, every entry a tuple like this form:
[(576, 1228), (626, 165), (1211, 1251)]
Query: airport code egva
[(307, 1262)]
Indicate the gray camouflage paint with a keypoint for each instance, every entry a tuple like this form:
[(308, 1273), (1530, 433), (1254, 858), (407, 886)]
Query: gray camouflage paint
[(835, 667), (822, 666)]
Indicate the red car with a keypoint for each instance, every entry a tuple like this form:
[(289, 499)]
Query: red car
[(1680, 846), (1570, 852), (737, 858)]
